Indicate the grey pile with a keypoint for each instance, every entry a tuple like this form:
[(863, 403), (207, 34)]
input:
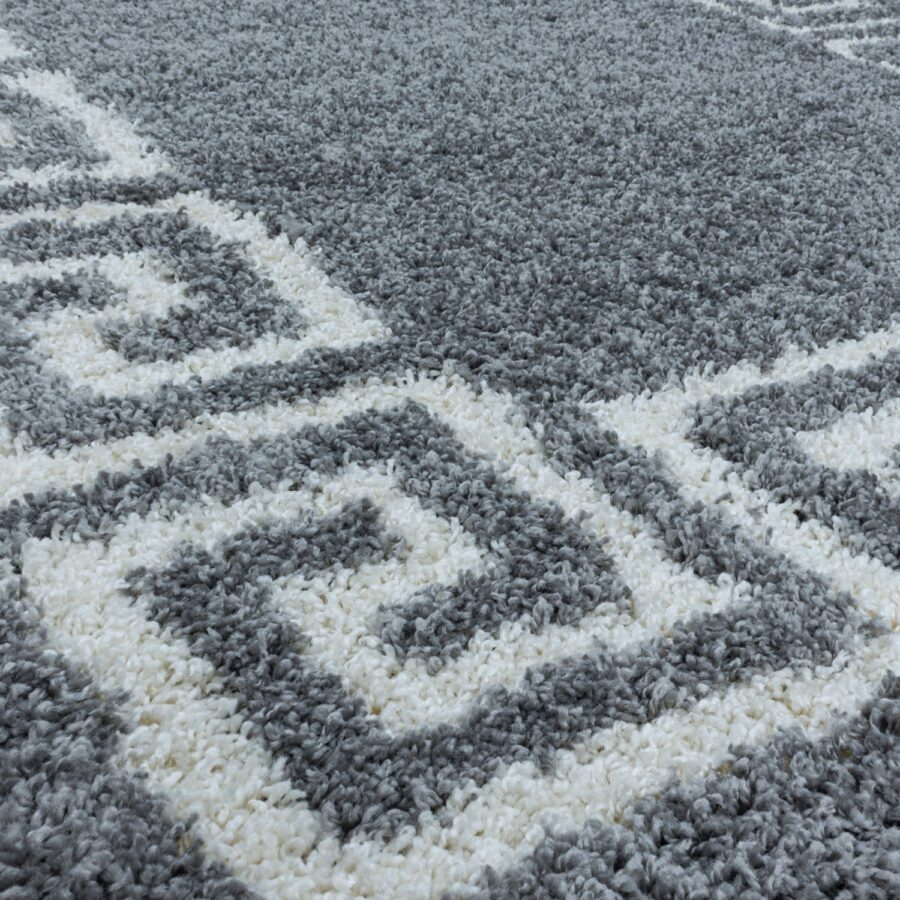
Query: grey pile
[(559, 200)]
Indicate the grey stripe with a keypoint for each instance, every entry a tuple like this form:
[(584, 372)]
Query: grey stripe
[(71, 823), (756, 431), (559, 587), (28, 392), (220, 603), (693, 535), (813, 403), (791, 819), (54, 417), (852, 18), (549, 570)]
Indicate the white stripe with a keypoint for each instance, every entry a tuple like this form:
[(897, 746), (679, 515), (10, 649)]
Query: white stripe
[(186, 732), (490, 424), (405, 696), (129, 155), (825, 6), (150, 288), (602, 777), (91, 213), (291, 267), (774, 24), (8, 48), (70, 339), (24, 470), (839, 46), (854, 26), (336, 611), (845, 47), (482, 422), (39, 177), (858, 440)]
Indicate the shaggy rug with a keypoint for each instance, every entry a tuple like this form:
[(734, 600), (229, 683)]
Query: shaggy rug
[(449, 448)]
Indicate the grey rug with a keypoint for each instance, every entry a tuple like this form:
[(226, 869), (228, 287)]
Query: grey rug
[(449, 449)]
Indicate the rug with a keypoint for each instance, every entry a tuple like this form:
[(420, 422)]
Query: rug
[(450, 449)]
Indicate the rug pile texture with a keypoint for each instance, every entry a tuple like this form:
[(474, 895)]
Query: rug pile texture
[(450, 449)]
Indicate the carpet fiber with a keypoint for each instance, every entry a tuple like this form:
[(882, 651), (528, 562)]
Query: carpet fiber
[(450, 449)]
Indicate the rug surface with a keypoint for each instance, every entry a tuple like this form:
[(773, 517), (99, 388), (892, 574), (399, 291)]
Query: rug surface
[(450, 448)]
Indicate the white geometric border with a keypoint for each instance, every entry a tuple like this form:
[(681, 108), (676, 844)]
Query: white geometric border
[(660, 423), (70, 340), (129, 155), (192, 743)]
